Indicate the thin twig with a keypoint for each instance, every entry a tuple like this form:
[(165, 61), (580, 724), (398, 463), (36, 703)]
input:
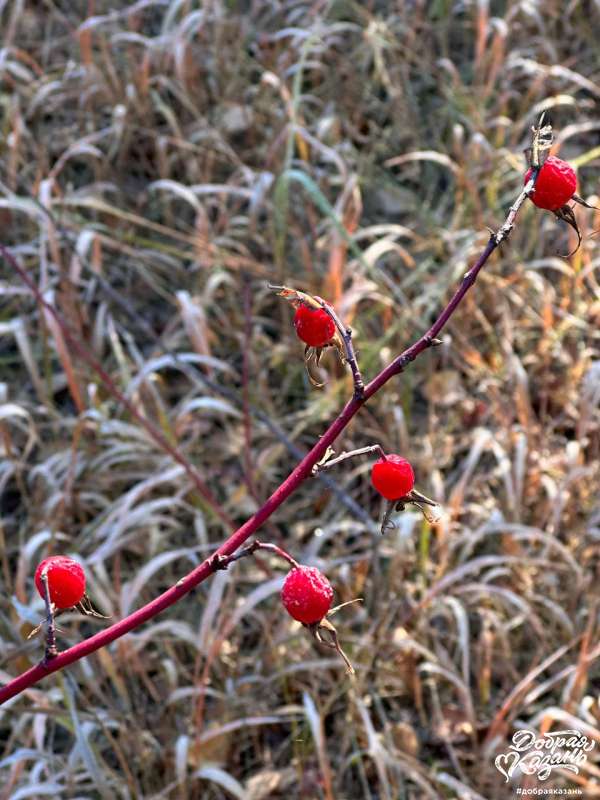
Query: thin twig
[(506, 229), (51, 650), (222, 562), (346, 334), (541, 141), (361, 451)]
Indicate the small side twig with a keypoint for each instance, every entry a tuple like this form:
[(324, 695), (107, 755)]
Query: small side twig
[(541, 142), (222, 562), (505, 230), (326, 462)]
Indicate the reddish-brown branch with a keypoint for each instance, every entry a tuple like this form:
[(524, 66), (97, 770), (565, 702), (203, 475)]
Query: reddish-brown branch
[(290, 484)]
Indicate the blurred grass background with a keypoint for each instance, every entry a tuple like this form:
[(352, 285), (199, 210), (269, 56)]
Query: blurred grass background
[(160, 163)]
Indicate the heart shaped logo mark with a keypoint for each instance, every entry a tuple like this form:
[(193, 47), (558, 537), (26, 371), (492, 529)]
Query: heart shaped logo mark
[(506, 763)]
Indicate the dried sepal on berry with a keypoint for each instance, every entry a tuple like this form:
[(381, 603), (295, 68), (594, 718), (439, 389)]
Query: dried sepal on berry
[(431, 510), (85, 607), (554, 188), (314, 354), (306, 595), (566, 214), (580, 201), (326, 634)]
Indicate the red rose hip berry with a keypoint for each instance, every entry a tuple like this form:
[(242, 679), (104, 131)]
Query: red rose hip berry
[(314, 326), (306, 594), (66, 580), (393, 477), (555, 185)]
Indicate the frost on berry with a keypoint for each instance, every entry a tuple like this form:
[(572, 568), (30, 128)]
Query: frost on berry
[(392, 477), (66, 580), (306, 594), (555, 184)]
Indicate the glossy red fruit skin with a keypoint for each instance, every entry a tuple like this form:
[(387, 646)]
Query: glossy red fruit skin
[(66, 580), (314, 326), (306, 594), (393, 477), (555, 185)]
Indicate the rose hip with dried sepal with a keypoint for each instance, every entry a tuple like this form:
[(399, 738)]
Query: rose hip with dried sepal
[(554, 188), (393, 477), (307, 595), (319, 327), (555, 185)]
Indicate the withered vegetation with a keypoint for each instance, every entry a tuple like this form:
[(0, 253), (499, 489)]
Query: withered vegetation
[(161, 164)]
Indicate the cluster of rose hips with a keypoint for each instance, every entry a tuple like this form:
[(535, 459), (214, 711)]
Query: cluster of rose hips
[(307, 595)]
